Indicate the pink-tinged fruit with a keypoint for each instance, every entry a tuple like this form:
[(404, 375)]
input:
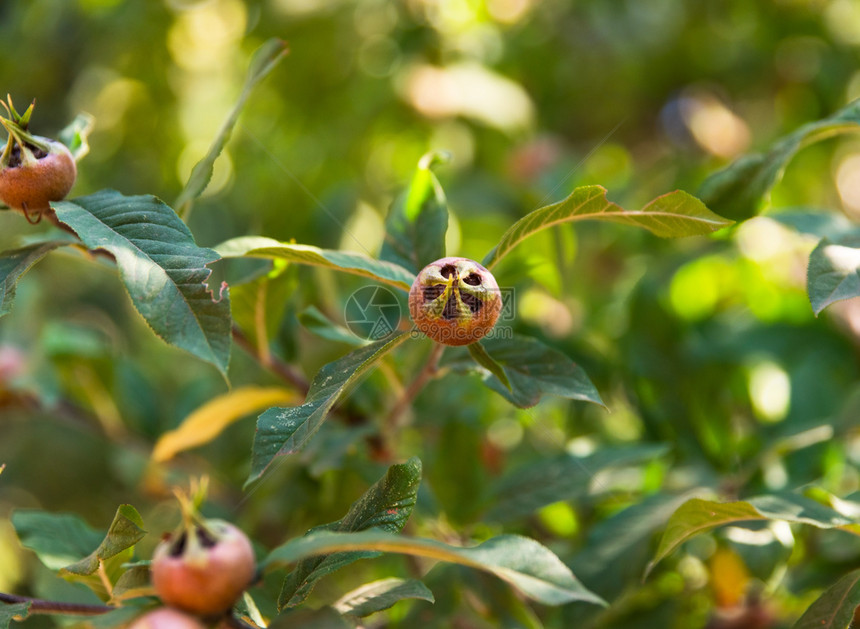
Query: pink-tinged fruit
[(203, 568), (166, 618)]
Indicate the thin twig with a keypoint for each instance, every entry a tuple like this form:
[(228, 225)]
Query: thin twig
[(431, 367), (272, 362), (41, 606)]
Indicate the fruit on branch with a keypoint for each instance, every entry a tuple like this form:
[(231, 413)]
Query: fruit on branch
[(455, 301), (33, 170), (204, 565), (166, 618), (203, 568)]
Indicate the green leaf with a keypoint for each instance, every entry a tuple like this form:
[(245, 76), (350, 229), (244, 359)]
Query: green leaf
[(265, 58), (486, 361), (528, 488), (16, 262), (833, 273), (698, 516), (532, 369), (737, 191), (125, 531), (524, 563), (13, 611), (323, 618), (57, 539), (380, 595), (75, 135), (387, 505), (835, 608), (812, 222), (133, 583), (162, 268), (346, 261), (617, 548), (418, 219), (285, 430), (317, 323), (672, 215)]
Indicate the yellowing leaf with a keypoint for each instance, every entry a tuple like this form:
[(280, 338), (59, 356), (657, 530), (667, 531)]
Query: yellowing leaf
[(729, 578), (210, 420)]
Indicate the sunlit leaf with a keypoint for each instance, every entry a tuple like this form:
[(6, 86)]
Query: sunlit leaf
[(346, 261), (532, 369), (75, 135), (387, 505), (833, 273), (164, 271), (265, 58), (698, 516), (739, 190), (16, 262), (380, 595), (835, 608), (13, 611), (211, 419), (125, 531), (672, 215), (524, 563), (418, 219), (284, 430)]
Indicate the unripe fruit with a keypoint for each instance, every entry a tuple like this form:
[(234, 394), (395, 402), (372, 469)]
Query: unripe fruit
[(166, 618), (203, 567), (455, 301)]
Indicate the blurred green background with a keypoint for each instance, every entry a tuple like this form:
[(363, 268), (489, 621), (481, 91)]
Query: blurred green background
[(708, 345)]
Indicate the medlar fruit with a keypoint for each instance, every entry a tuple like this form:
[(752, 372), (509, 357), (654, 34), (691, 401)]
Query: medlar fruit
[(203, 567), (455, 301), (166, 618), (33, 170)]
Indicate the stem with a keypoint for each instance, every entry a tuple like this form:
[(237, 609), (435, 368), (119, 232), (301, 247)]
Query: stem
[(271, 362), (41, 606), (105, 580), (237, 623), (431, 368)]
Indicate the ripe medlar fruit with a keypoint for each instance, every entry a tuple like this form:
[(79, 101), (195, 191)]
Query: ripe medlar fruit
[(33, 170), (166, 618), (203, 567), (455, 301)]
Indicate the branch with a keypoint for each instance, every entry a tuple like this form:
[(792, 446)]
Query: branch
[(431, 368), (41, 606), (271, 362)]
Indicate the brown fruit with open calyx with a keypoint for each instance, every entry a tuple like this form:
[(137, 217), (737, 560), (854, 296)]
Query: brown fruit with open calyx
[(455, 301)]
